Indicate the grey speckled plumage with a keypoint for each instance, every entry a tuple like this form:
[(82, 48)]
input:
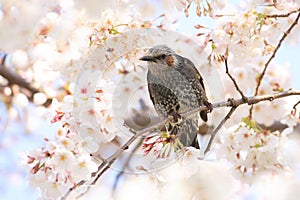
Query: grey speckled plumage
[(175, 86)]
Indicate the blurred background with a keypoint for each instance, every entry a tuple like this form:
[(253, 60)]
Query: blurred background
[(22, 129)]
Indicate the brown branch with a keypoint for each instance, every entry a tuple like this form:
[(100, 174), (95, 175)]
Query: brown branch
[(233, 108), (105, 167), (126, 164), (296, 104), (261, 76), (15, 79), (109, 161), (295, 109), (238, 102), (282, 15), (263, 15), (215, 132), (82, 182), (229, 103), (233, 79)]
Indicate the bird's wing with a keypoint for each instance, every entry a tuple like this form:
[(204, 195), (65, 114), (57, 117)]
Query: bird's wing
[(196, 80), (193, 74)]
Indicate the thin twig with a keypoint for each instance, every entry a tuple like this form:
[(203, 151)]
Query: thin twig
[(215, 132), (282, 15), (263, 15), (233, 108), (82, 182), (72, 188), (126, 164), (295, 109), (296, 104), (229, 103), (261, 76), (233, 79), (109, 161), (105, 167), (285, 34)]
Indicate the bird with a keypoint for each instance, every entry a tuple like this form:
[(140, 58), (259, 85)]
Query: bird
[(176, 86)]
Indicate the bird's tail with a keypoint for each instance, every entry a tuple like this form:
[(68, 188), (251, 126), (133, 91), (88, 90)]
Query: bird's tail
[(186, 131)]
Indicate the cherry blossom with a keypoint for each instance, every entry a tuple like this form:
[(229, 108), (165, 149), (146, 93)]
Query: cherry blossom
[(82, 169), (84, 56), (253, 150)]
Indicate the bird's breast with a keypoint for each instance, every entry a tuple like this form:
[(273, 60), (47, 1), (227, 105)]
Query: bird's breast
[(180, 87)]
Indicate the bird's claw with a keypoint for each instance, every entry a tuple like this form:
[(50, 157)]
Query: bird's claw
[(209, 106), (176, 118)]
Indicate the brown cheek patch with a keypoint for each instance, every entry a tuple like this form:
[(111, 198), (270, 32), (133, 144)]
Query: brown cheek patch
[(170, 61)]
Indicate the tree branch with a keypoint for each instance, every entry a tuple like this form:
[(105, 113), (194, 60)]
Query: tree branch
[(295, 109), (233, 108), (296, 104), (261, 76), (282, 15), (233, 80), (14, 78), (234, 103), (215, 132), (126, 164)]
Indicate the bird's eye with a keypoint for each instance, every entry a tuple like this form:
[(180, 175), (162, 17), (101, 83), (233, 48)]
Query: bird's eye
[(161, 57)]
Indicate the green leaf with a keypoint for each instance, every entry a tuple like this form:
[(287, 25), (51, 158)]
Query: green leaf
[(251, 124)]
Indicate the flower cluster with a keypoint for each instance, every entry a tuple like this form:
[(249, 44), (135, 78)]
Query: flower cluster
[(97, 84), (248, 40), (60, 164), (253, 150)]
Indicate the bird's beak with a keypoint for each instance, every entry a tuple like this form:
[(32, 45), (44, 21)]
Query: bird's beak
[(147, 58)]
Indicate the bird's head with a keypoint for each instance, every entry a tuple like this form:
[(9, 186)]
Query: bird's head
[(160, 56)]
